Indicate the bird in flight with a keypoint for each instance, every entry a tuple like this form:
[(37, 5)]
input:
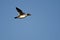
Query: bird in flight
[(21, 14)]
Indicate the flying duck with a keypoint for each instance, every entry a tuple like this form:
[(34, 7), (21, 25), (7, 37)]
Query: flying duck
[(21, 14)]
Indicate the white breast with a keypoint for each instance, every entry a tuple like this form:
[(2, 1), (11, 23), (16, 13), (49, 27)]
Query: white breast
[(22, 16)]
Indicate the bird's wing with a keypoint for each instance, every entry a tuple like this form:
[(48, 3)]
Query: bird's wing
[(19, 11)]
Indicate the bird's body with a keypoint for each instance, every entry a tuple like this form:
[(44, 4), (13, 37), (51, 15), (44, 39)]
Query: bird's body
[(21, 14)]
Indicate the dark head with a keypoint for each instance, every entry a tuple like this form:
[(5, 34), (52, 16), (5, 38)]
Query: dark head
[(15, 17), (28, 14)]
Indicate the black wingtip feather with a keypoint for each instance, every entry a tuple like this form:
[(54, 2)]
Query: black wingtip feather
[(19, 10)]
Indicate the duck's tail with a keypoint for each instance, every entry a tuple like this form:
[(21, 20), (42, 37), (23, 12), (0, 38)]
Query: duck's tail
[(15, 17)]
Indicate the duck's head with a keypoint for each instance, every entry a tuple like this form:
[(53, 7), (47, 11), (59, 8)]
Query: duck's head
[(28, 14)]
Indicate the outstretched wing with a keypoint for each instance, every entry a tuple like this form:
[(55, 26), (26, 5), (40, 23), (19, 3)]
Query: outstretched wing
[(19, 11)]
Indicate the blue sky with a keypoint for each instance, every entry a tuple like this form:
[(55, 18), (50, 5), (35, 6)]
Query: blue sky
[(43, 24)]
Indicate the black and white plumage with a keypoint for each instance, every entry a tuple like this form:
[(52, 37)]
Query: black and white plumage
[(21, 14)]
